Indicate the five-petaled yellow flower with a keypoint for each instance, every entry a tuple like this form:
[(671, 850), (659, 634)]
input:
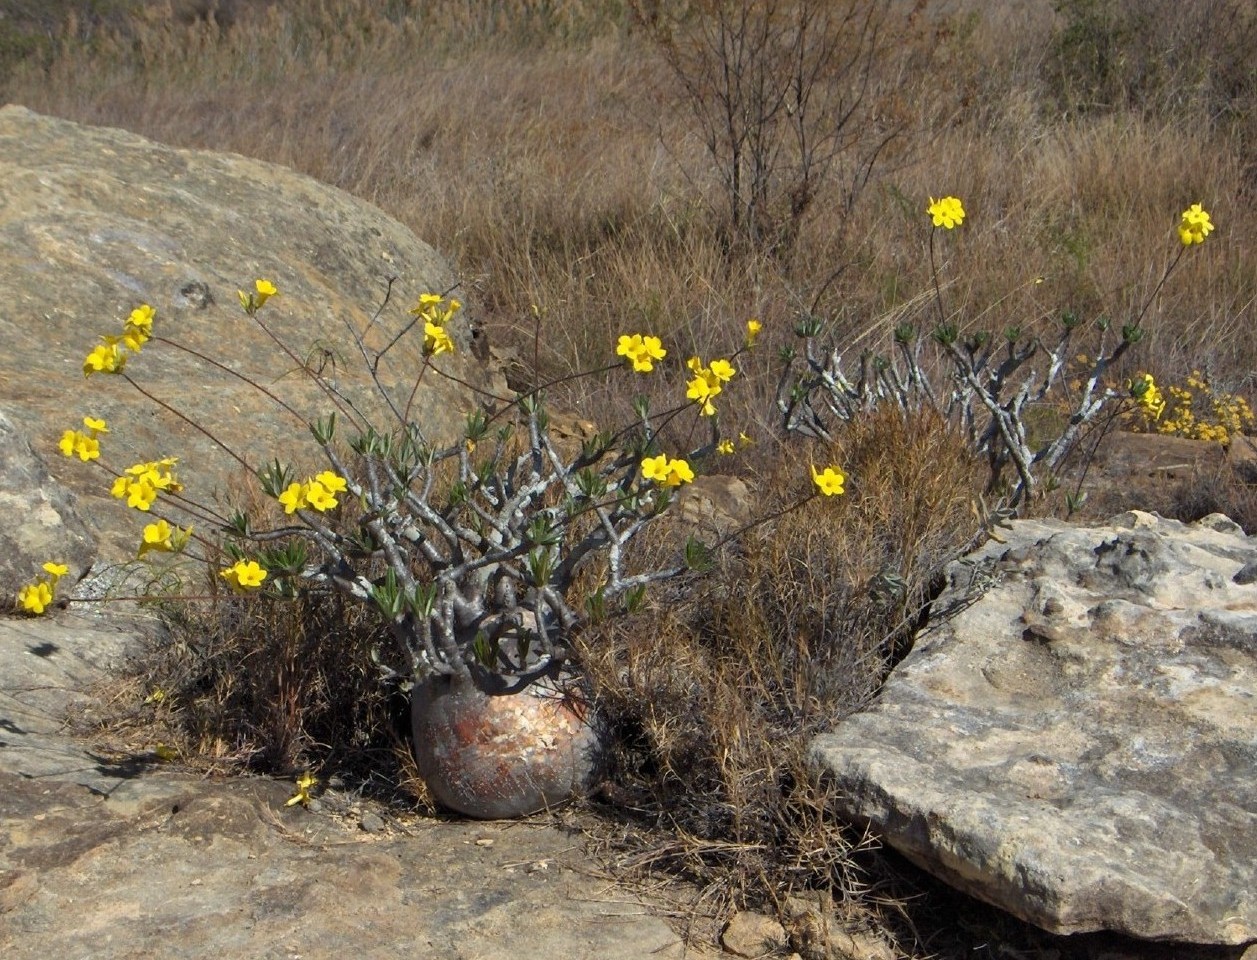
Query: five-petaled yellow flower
[(948, 212), (138, 328), (108, 357), (641, 351), (142, 482), (294, 498), (77, 443), (35, 598), (665, 472), (244, 575), (829, 481), (163, 537), (435, 340), (1195, 225), (705, 386)]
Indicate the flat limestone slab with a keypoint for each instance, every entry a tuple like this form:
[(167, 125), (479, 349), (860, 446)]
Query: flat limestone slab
[(1074, 739)]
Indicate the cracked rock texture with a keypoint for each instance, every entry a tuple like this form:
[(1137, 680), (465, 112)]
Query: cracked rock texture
[(1074, 738)]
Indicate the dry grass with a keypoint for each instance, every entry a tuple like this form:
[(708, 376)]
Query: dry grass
[(547, 148)]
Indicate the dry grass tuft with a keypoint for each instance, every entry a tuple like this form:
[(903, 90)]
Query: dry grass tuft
[(715, 693)]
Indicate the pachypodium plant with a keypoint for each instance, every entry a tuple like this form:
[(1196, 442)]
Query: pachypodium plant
[(983, 383), (485, 554)]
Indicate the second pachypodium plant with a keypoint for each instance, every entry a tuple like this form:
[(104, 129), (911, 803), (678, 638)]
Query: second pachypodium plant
[(984, 383)]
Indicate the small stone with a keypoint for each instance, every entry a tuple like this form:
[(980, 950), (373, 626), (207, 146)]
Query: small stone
[(753, 935), (371, 822), (1247, 574), (484, 842)]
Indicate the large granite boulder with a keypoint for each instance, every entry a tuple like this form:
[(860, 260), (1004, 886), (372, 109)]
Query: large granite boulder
[(1074, 738), (94, 222), (39, 522)]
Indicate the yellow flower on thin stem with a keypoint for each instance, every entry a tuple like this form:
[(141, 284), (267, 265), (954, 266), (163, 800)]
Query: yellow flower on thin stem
[(948, 212), (35, 597), (1195, 225), (244, 575), (829, 481), (319, 497), (77, 443), (435, 340), (305, 783), (665, 472), (293, 498), (753, 328), (108, 357), (641, 351), (56, 570)]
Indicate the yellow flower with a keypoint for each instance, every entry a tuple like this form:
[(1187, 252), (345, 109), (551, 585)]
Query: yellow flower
[(722, 370), (319, 497), (305, 783), (426, 300), (95, 425), (830, 481), (77, 443), (35, 597), (109, 357), (753, 327), (665, 472), (244, 575), (265, 290), (435, 340), (744, 440), (641, 351), (332, 481), (56, 570), (1195, 225), (294, 498), (725, 447), (138, 327), (706, 384), (947, 212), (655, 468), (679, 472), (157, 536)]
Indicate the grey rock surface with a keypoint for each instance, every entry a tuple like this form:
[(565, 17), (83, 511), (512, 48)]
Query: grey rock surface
[(95, 221), (39, 520), (109, 856), (1075, 738)]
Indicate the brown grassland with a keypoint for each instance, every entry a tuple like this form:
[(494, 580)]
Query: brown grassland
[(554, 152)]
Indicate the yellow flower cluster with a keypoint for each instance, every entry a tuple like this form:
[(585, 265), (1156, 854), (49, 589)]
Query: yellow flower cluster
[(1218, 418), (1195, 225), (665, 472), (706, 385), (35, 598), (317, 493), (641, 351), (111, 356), (254, 300), (244, 575), (141, 483), (86, 446), (948, 212), (1148, 395), (435, 312), (163, 538)]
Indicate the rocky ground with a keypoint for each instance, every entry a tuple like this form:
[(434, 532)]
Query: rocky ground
[(121, 856)]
